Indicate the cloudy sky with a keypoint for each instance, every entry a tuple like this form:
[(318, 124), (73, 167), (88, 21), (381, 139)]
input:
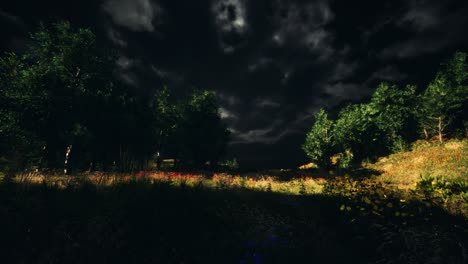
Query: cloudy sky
[(272, 63)]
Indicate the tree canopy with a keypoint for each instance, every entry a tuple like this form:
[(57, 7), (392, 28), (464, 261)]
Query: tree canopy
[(63, 106), (392, 117)]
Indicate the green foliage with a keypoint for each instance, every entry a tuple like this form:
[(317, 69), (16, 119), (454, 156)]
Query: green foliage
[(202, 136), (318, 144), (230, 165), (440, 187), (391, 108), (443, 103), (358, 135), (53, 92), (388, 122), (380, 126), (345, 159), (62, 96)]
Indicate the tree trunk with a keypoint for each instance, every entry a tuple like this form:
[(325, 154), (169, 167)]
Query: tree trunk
[(67, 162), (426, 134), (440, 130), (158, 160)]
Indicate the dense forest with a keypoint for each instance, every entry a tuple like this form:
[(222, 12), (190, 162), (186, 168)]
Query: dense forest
[(62, 107), (393, 118)]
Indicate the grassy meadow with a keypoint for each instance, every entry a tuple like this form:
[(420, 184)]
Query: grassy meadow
[(410, 207)]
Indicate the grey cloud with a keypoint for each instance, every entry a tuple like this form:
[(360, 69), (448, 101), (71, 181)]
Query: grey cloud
[(415, 47), (11, 18), (116, 37), (136, 15), (227, 99), (124, 63), (422, 15), (130, 79), (340, 91), (230, 18), (302, 24), (421, 19), (307, 51), (429, 21), (269, 134), (168, 76), (343, 70), (260, 64), (126, 67), (388, 73), (267, 103), (227, 114)]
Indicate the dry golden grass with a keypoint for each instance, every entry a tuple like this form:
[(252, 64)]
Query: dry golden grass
[(270, 183), (449, 160), (401, 170)]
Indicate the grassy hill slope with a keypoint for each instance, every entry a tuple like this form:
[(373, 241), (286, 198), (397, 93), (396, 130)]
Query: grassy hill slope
[(404, 169)]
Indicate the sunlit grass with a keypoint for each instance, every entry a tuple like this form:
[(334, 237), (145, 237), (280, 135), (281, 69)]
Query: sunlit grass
[(430, 171), (175, 217), (296, 186), (448, 160)]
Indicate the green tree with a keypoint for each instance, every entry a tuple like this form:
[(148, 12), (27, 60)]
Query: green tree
[(22, 112), (202, 135), (319, 141), (167, 118), (442, 106), (58, 90), (391, 108), (356, 133)]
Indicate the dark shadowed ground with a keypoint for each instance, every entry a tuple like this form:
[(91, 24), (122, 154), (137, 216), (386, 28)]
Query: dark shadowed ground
[(143, 222)]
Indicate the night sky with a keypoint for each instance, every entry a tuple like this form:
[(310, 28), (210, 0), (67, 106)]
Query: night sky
[(273, 64)]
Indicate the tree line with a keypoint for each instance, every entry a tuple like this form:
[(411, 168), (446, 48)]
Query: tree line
[(393, 118), (62, 107)]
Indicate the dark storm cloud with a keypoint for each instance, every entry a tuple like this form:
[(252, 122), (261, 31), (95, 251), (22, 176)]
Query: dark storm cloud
[(388, 73), (15, 29), (116, 37), (272, 63), (230, 18), (295, 64), (11, 18), (433, 25), (301, 24), (136, 15)]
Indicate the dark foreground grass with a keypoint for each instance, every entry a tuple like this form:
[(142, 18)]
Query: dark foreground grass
[(142, 222)]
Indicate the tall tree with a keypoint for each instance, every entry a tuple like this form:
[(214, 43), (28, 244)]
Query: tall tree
[(60, 85), (202, 135), (443, 104), (22, 113), (319, 141), (391, 108), (167, 118)]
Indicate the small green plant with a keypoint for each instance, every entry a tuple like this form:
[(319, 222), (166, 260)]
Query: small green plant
[(346, 159), (425, 185), (243, 182), (231, 165), (302, 189), (399, 145)]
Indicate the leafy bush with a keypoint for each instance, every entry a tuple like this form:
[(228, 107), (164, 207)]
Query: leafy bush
[(452, 195), (345, 160)]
